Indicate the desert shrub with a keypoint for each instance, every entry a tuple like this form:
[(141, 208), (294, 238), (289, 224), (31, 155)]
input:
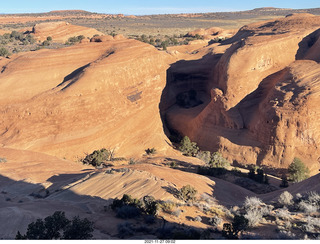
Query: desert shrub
[(30, 38), (4, 52), (80, 37), (45, 43), (205, 156), (208, 199), (252, 203), (129, 207), (307, 207), (187, 193), (125, 230), (126, 200), (151, 151), (73, 39), (188, 148), (177, 213), (285, 199), (172, 164), (17, 35), (312, 225), (49, 38), (286, 235), (254, 217), (313, 198), (298, 171), (132, 161), (151, 206), (128, 212), (287, 225), (168, 206), (198, 219), (239, 224), (283, 214), (217, 164), (98, 157), (58, 226), (215, 221), (218, 161), (3, 160), (211, 171)]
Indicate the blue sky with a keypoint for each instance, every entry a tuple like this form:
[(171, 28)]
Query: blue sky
[(149, 6)]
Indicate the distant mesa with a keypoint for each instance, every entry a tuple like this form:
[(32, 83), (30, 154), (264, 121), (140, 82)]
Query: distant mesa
[(58, 12)]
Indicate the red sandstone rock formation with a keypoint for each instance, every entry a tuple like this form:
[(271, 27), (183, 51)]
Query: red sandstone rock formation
[(61, 31), (259, 104), (71, 101)]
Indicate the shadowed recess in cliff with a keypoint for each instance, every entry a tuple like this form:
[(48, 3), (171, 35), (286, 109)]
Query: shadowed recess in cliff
[(187, 87)]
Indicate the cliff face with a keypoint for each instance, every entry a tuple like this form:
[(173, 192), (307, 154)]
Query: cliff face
[(263, 95), (71, 101)]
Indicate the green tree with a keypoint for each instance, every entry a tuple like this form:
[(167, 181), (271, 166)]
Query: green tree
[(79, 229), (54, 223), (298, 171), (164, 45), (98, 157), (52, 227), (151, 206), (218, 161), (49, 38), (188, 148)]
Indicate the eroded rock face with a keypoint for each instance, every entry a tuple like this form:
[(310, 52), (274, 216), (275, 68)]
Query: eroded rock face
[(71, 101), (263, 102)]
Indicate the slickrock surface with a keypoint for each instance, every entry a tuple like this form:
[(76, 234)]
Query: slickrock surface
[(61, 31), (71, 101)]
